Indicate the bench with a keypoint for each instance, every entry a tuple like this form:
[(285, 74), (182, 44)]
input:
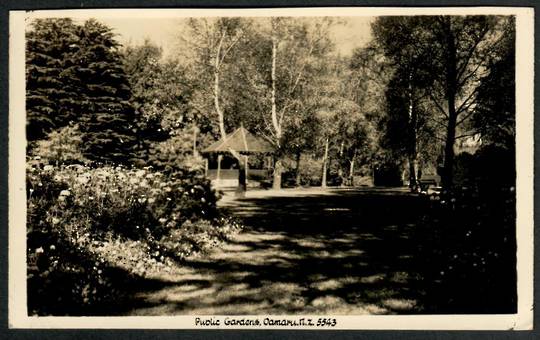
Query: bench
[(424, 184)]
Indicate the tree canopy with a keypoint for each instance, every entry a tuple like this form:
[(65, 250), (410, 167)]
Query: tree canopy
[(75, 74), (406, 98)]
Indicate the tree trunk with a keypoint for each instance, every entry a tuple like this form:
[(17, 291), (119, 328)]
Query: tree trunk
[(351, 169), (246, 162), (194, 141), (217, 88), (451, 85), (325, 160), (297, 179), (241, 189), (413, 119), (218, 175), (277, 174), (412, 173), (275, 123)]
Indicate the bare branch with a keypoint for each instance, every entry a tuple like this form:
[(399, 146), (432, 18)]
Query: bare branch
[(438, 105), (302, 68), (235, 40), (471, 74), (443, 124), (465, 118), (466, 135), (471, 51), (462, 107)]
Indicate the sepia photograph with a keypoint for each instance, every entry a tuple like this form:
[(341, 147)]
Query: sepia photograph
[(271, 168)]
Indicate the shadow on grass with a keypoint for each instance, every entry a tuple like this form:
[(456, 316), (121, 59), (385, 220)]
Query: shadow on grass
[(344, 252), (341, 252)]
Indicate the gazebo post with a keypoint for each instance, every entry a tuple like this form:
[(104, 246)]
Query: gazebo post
[(240, 142), (246, 167)]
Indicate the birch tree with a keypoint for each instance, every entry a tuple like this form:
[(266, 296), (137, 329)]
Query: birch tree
[(213, 45), (299, 49)]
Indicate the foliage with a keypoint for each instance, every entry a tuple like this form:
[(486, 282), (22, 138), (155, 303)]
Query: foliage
[(61, 146), (469, 237), (463, 48), (162, 97), (90, 229), (177, 153), (494, 116), (309, 172), (75, 74), (49, 102)]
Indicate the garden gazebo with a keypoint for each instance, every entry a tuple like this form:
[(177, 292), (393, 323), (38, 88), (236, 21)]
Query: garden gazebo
[(242, 142)]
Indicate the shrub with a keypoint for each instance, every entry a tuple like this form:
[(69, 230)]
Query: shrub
[(176, 154), (61, 147), (91, 229), (470, 238), (128, 201)]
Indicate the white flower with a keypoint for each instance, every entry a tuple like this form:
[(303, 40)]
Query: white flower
[(65, 193), (39, 250)]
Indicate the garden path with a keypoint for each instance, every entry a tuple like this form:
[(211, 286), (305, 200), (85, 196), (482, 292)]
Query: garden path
[(307, 251)]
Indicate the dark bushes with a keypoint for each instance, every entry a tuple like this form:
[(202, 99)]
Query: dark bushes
[(91, 229)]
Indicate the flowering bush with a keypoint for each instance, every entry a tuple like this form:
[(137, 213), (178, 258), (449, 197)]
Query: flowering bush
[(89, 228), (131, 202)]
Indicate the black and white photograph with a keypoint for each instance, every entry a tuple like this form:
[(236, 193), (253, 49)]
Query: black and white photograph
[(285, 168)]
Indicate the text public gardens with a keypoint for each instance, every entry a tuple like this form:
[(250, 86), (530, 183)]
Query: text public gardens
[(289, 322)]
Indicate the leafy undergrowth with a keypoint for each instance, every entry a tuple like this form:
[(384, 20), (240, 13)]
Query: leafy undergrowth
[(94, 234), (468, 241)]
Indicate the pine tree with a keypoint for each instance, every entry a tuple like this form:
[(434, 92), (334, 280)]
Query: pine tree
[(96, 73), (49, 43), (75, 75)]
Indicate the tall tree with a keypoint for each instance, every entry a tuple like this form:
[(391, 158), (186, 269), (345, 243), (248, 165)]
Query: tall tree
[(402, 40), (106, 116), (160, 96), (74, 73), (494, 116), (463, 48), (299, 50), (49, 43), (213, 47)]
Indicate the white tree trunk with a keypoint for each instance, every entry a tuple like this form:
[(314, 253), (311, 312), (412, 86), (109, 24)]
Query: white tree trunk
[(217, 65), (351, 168), (325, 161), (276, 184), (275, 122), (218, 175)]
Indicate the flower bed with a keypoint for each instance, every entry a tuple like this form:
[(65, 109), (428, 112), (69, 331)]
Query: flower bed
[(90, 229)]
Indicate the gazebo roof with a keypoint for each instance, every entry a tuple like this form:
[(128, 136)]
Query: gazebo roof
[(241, 140)]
